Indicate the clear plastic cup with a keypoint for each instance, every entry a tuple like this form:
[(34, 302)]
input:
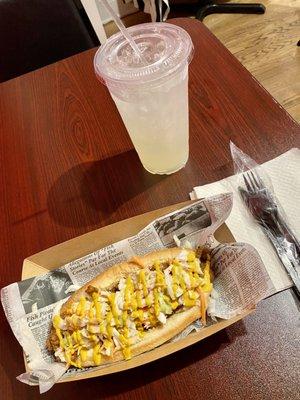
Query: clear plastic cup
[(152, 97)]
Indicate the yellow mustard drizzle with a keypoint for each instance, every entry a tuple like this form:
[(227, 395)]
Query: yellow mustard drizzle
[(187, 302), (108, 319), (191, 256), (128, 292), (180, 277), (81, 306), (193, 295), (56, 322), (74, 337), (156, 302), (93, 338), (141, 315), (109, 331), (138, 314), (192, 266), (197, 279), (124, 317), (103, 330), (78, 336), (141, 334), (174, 305), (126, 332), (127, 353), (139, 299), (107, 344), (73, 363), (148, 300), (69, 341), (97, 306), (167, 299), (143, 282), (175, 280), (123, 340), (83, 354), (112, 299), (193, 263), (68, 356), (207, 286), (134, 305), (175, 288), (78, 362), (175, 274), (91, 312), (194, 278), (160, 277), (152, 320), (60, 338), (96, 354)]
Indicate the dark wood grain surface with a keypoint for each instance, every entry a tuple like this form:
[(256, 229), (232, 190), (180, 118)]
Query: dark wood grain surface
[(68, 166)]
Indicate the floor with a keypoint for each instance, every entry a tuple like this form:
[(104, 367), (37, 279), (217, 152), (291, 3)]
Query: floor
[(265, 44)]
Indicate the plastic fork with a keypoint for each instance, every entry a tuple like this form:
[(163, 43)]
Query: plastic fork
[(262, 205)]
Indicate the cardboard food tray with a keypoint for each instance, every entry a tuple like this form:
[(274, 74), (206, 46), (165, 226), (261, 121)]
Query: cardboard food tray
[(58, 255)]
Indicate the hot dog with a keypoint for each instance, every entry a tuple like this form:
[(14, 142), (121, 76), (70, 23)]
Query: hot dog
[(132, 307)]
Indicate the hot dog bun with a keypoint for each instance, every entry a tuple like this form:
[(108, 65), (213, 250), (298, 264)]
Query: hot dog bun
[(142, 310)]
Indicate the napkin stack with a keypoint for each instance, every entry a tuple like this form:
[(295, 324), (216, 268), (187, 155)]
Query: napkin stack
[(284, 172)]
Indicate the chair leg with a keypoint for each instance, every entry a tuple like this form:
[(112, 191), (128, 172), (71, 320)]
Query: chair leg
[(229, 8)]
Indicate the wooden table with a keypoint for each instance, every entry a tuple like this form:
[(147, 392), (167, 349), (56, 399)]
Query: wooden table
[(68, 167)]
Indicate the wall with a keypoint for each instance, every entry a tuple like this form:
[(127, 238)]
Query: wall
[(118, 5)]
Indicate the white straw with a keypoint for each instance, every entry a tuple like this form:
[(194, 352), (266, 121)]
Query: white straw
[(123, 29)]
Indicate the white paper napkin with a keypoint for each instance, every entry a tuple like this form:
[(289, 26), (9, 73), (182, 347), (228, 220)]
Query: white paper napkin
[(284, 172)]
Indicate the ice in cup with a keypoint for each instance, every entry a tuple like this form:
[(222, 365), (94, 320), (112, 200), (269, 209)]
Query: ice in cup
[(151, 94)]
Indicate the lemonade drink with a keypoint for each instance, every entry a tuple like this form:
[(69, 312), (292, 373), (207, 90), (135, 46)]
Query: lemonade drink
[(152, 99)]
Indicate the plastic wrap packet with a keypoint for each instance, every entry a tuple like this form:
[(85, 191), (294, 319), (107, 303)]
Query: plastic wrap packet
[(256, 190)]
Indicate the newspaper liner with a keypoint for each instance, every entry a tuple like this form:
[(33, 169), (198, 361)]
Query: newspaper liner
[(241, 281)]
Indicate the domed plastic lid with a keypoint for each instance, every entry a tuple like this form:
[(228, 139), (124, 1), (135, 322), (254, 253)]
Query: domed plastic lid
[(165, 48)]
